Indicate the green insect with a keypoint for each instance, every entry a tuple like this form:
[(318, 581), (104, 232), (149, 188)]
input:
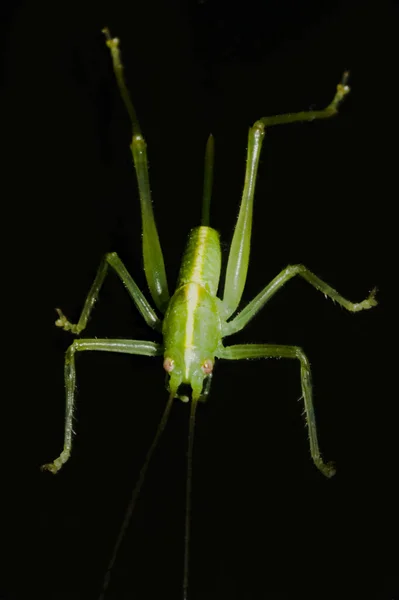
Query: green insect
[(195, 321)]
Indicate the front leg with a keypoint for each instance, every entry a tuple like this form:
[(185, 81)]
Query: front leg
[(113, 260), (271, 351), (288, 273), (122, 346)]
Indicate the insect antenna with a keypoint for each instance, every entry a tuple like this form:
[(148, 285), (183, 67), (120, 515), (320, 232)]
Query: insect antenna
[(187, 522), (135, 494), (208, 180)]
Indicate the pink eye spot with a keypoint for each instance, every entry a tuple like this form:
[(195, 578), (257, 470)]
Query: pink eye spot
[(168, 364), (207, 367)]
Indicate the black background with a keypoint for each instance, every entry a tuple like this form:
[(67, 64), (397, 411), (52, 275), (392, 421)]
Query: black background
[(265, 522)]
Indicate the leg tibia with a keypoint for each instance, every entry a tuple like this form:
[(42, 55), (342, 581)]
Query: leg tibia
[(70, 383), (326, 289), (327, 469)]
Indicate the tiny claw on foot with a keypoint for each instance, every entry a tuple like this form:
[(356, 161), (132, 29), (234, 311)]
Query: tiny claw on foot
[(369, 302), (56, 465), (49, 467), (372, 301), (63, 322), (328, 469)]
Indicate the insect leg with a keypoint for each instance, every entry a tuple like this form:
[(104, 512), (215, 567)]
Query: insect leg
[(237, 265), (122, 346), (154, 266), (245, 351), (260, 300), (311, 115), (113, 260)]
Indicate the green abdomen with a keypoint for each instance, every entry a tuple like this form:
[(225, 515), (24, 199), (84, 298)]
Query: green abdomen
[(201, 260)]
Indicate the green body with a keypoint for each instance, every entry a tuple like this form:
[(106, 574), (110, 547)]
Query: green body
[(192, 327), (195, 320)]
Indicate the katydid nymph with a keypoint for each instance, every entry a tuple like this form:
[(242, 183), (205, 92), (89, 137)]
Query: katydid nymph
[(194, 319)]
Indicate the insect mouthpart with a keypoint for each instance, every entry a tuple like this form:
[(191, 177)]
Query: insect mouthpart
[(184, 392)]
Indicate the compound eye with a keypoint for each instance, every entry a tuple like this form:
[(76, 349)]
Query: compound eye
[(168, 364), (207, 366)]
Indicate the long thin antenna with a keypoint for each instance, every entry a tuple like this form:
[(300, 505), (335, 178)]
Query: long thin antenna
[(187, 522), (135, 495), (208, 180)]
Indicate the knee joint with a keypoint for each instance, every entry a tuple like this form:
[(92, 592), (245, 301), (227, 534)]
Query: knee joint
[(111, 256), (295, 269), (70, 353), (303, 358)]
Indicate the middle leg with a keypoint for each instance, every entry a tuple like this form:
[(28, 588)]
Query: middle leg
[(143, 306), (260, 300)]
